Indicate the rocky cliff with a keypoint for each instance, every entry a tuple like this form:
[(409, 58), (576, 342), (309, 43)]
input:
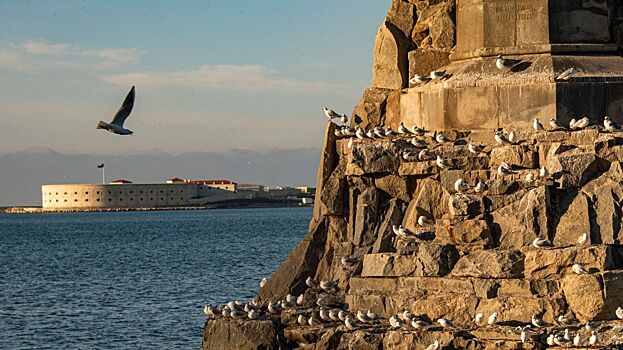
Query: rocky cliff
[(446, 239)]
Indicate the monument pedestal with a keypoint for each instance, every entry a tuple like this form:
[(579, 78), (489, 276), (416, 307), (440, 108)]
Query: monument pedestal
[(476, 94)]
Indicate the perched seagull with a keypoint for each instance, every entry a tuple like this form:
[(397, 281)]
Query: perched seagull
[(538, 322), (590, 326), (334, 314), (402, 129), (526, 333), (360, 133), (619, 313), (434, 346), (331, 114), (302, 320), (252, 314), (389, 132), (500, 138), (238, 314), (504, 170), (502, 63), (379, 132), (541, 242), (419, 79), (550, 340), (417, 324), (446, 324), (583, 239), (566, 321), (577, 340), (492, 318), (425, 154), (328, 285), (371, 315), (408, 315), (530, 177), (370, 134), (572, 123), (348, 262), (479, 318), (474, 148), (314, 320), (555, 124), (311, 283), (434, 75), (461, 186), (594, 339), (609, 125), (350, 323), (361, 316), (543, 173), (537, 126), (418, 143), (207, 310), (512, 137), (342, 315), (480, 187), (581, 124), (442, 163), (566, 75), (440, 138), (424, 221), (406, 155), (116, 126), (263, 282), (418, 131), (579, 269), (395, 322), (324, 314), (350, 143), (404, 232), (344, 119), (300, 300)]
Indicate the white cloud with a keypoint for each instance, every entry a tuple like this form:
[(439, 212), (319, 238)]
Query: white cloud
[(39, 54), (219, 77)]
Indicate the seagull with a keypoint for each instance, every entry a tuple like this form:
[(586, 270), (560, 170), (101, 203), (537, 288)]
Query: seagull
[(461, 186), (479, 318), (480, 187), (525, 334), (543, 173), (425, 154), (492, 318), (565, 321), (619, 313), (418, 323), (419, 79), (238, 314), (442, 163), (389, 132), (302, 320), (512, 137), (404, 232), (434, 75), (311, 283), (314, 320), (331, 114), (504, 170), (474, 148), (418, 143), (300, 300), (371, 315), (530, 177), (116, 126), (348, 262), (590, 326), (395, 322), (344, 119), (402, 129), (440, 138), (342, 315), (537, 126), (502, 63), (566, 75), (406, 155), (226, 312), (434, 346), (207, 310), (418, 131), (609, 125), (572, 123), (550, 340), (252, 314), (379, 132), (407, 315), (541, 242), (583, 239), (350, 323), (360, 133), (538, 322), (577, 340), (328, 285), (287, 305), (500, 138), (363, 317), (370, 134), (581, 124), (555, 124), (560, 340), (594, 338), (324, 314), (445, 323), (424, 221), (290, 298), (579, 269), (334, 314), (350, 143), (263, 282)]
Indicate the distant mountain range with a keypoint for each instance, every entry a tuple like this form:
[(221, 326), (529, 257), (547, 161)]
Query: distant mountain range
[(22, 173)]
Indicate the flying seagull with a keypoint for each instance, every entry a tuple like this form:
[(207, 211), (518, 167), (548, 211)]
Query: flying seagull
[(116, 126)]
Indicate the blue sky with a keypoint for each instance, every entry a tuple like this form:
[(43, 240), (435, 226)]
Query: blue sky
[(210, 75)]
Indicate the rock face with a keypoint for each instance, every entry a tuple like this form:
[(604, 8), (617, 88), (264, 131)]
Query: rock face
[(461, 251)]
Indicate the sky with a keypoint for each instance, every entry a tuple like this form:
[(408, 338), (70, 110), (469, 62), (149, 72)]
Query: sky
[(210, 75)]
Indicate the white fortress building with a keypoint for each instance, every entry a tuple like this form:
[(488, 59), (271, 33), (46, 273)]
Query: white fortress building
[(125, 194)]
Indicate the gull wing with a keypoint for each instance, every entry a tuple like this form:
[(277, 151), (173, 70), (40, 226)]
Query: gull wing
[(124, 112)]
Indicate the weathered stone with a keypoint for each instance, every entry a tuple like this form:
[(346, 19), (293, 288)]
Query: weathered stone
[(398, 340), (366, 217), (370, 110), (429, 199), (300, 264), (519, 223), (424, 168), (573, 214), (223, 334), (396, 186), (465, 205), (328, 162), (459, 308), (605, 197), (376, 157), (490, 264), (391, 65), (385, 234), (431, 259), (333, 196), (422, 62), (474, 231), (573, 166), (554, 262), (435, 26), (514, 155), (402, 14), (360, 340), (521, 309)]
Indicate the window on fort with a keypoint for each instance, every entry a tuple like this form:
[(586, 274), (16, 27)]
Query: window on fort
[(110, 199), (57, 201), (152, 191), (98, 199), (87, 192), (181, 198), (171, 198), (65, 200), (75, 192), (120, 199), (86, 200), (56, 193), (151, 199), (75, 200), (131, 192), (140, 199), (120, 192), (65, 193), (141, 191), (182, 191), (161, 198), (161, 191), (131, 199), (109, 192)]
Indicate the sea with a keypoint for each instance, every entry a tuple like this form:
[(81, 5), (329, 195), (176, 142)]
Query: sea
[(133, 280)]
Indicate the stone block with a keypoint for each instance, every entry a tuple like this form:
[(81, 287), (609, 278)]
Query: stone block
[(594, 296), (395, 186), (391, 64), (490, 264), (465, 205), (229, 334), (366, 216), (431, 259), (520, 156), (472, 231), (375, 157), (425, 168), (555, 262)]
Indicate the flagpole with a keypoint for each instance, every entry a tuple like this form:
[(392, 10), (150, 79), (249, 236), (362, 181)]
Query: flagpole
[(104, 175)]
